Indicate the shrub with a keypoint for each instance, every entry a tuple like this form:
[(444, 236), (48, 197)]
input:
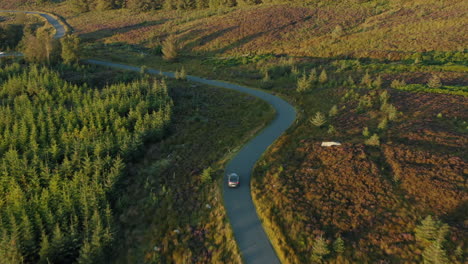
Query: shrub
[(294, 70), (170, 49), (318, 120), (383, 124), (434, 82), (206, 175), (313, 75), (319, 249), (70, 49), (373, 141), (366, 80), (365, 131), (303, 84), (333, 111), (323, 78), (180, 75), (337, 32), (377, 82), (397, 84), (338, 245)]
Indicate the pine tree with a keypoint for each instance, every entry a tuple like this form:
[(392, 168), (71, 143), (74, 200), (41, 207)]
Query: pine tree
[(338, 245), (366, 80), (323, 78), (333, 111), (70, 49), (319, 249), (383, 124), (373, 140), (303, 84), (427, 231), (318, 120), (170, 48), (206, 175), (434, 82), (435, 254), (365, 131)]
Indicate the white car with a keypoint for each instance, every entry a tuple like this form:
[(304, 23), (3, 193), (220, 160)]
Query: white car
[(233, 180), (1, 52)]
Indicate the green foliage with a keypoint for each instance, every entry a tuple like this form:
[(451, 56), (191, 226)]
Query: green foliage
[(365, 132), (323, 78), (383, 124), (206, 175), (456, 90), (170, 49), (397, 84), (435, 254), (338, 245), (366, 80), (70, 48), (318, 120), (319, 249), (303, 84), (80, 6), (434, 82), (374, 140), (39, 47), (333, 111), (180, 74), (62, 150), (10, 36), (429, 230)]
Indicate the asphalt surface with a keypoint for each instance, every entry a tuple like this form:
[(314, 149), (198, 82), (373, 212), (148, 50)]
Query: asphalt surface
[(59, 28), (254, 245)]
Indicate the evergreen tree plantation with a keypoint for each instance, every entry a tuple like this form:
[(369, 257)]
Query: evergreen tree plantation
[(63, 148)]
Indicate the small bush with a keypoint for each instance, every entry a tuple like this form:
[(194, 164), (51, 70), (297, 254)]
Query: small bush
[(365, 131), (181, 75), (383, 124), (373, 141), (318, 120), (323, 78), (333, 111), (303, 84), (434, 82), (170, 49)]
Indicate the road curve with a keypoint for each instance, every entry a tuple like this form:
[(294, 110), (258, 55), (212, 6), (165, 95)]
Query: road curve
[(254, 245), (59, 28), (253, 242)]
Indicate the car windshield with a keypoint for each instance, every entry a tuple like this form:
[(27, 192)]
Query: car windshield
[(233, 178)]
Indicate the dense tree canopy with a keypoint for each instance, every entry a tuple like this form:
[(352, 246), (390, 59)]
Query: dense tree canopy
[(62, 149)]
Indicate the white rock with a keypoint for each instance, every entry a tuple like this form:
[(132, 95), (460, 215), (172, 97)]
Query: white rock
[(330, 143)]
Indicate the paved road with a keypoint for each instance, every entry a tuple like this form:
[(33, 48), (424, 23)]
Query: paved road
[(253, 242), (59, 28)]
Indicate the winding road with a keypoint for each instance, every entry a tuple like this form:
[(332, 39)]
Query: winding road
[(60, 30), (251, 238)]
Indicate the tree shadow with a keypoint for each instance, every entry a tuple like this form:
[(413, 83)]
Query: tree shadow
[(200, 41), (250, 38), (109, 32)]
